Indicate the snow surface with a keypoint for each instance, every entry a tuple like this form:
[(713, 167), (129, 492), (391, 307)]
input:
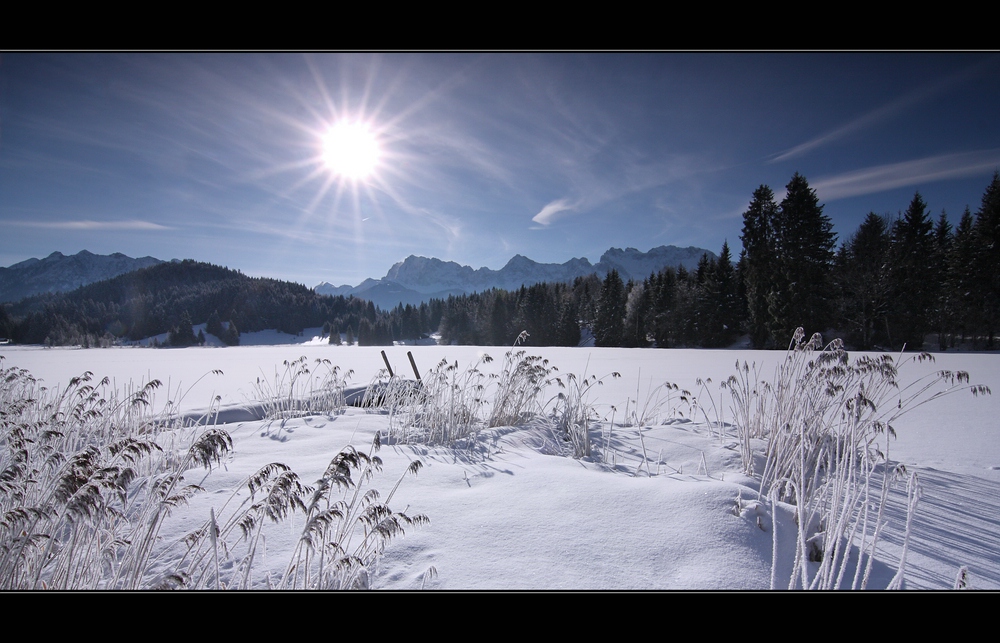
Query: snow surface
[(516, 512)]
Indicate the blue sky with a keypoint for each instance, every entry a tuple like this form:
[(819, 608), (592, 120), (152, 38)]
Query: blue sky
[(218, 157)]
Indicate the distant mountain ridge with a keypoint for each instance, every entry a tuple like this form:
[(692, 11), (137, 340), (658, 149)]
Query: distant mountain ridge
[(62, 273), (411, 281), (417, 279)]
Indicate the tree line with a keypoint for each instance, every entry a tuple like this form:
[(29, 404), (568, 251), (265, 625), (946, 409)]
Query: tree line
[(895, 280)]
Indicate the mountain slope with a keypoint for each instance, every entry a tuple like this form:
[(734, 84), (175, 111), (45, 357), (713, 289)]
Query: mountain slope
[(62, 273)]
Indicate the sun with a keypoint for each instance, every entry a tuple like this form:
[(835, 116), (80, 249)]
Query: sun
[(351, 150)]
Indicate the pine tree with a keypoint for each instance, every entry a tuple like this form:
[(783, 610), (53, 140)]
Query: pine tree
[(863, 283), (183, 333), (941, 314), (232, 335), (664, 293), (801, 293), (759, 262), (609, 323), (636, 305), (500, 332), (913, 276), (366, 332), (214, 326), (721, 313), (960, 282), (569, 323), (987, 259)]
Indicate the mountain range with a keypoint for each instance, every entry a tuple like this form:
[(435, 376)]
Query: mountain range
[(411, 281), (418, 279), (62, 273)]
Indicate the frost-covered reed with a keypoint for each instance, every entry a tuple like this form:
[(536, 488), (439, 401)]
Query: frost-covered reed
[(817, 437), (449, 404), (89, 474), (346, 526), (300, 389)]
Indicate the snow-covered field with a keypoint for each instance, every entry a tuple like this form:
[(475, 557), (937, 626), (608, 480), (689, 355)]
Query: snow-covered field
[(517, 512)]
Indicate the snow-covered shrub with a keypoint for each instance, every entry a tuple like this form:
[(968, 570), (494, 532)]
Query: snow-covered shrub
[(825, 425)]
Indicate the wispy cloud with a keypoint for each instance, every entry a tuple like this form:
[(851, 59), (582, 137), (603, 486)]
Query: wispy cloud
[(887, 177), (861, 123), (885, 112), (554, 210), (91, 225)]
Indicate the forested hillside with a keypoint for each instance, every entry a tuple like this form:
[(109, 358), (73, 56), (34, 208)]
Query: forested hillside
[(165, 297)]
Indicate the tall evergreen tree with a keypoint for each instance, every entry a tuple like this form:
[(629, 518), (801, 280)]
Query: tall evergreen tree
[(183, 333), (863, 283), (960, 284), (721, 314), (214, 325), (609, 325), (664, 289), (801, 293), (940, 313), (569, 323), (231, 337), (913, 275), (987, 259), (759, 262), (636, 305)]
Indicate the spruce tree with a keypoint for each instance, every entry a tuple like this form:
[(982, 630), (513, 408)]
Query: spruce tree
[(801, 292), (987, 259), (569, 323), (913, 275), (183, 333), (214, 326), (721, 314), (636, 305), (609, 324), (663, 290), (759, 262), (941, 314), (960, 283), (500, 332), (232, 335), (863, 283)]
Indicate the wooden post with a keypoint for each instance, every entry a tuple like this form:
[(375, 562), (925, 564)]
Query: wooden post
[(413, 364), (386, 360)]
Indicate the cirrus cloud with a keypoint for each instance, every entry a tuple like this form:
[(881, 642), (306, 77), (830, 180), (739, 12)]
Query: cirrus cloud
[(554, 210), (91, 225)]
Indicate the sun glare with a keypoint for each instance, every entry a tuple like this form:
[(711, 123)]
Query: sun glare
[(351, 150)]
